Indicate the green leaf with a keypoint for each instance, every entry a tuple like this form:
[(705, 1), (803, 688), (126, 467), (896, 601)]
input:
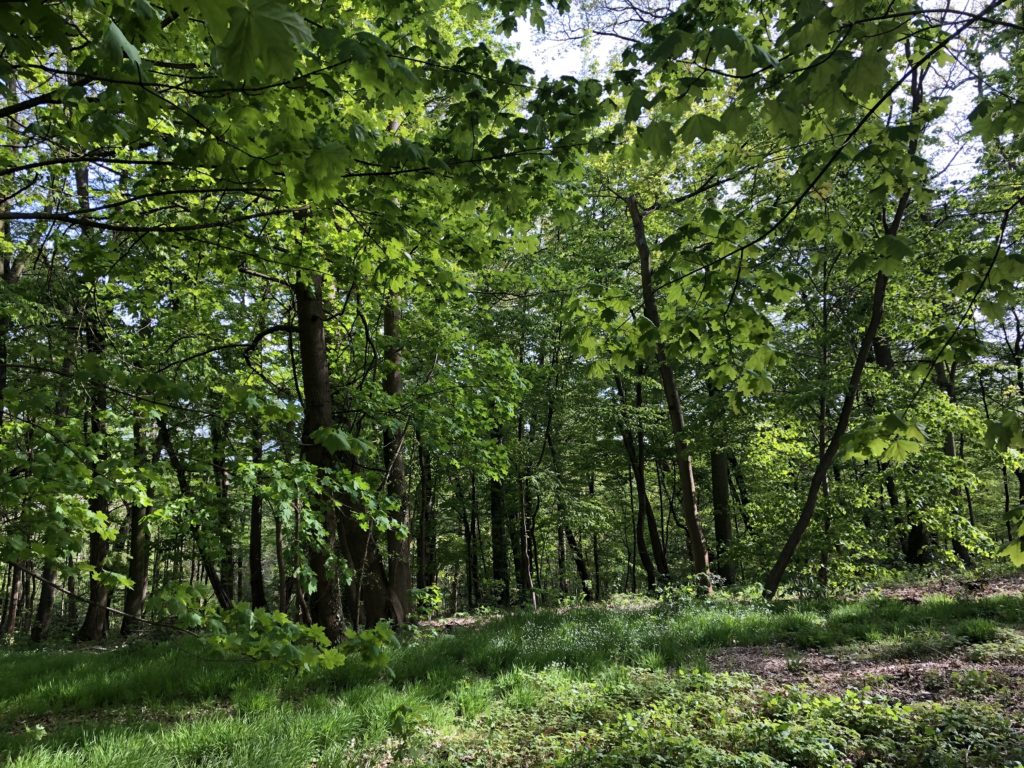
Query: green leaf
[(783, 118), (635, 105), (658, 138), (115, 47), (867, 76), (703, 127), (893, 253), (263, 40)]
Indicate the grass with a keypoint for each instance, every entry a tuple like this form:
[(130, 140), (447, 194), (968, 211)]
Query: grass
[(593, 686)]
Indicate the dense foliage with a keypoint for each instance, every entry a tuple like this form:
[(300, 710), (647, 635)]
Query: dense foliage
[(320, 317)]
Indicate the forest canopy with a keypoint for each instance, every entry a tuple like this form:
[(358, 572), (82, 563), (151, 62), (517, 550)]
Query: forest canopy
[(322, 316)]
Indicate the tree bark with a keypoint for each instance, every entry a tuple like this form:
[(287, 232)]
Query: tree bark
[(44, 611), (499, 542), (94, 625), (218, 438), (185, 488), (138, 550), (944, 378), (699, 557), (399, 550), (426, 545), (14, 594), (325, 602), (724, 566), (257, 584), (581, 564), (827, 458)]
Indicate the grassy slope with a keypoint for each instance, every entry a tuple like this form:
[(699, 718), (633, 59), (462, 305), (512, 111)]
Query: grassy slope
[(589, 686)]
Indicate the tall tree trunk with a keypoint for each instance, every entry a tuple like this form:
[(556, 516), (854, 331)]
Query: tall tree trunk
[(257, 584), (944, 378), (399, 549), (94, 625), (474, 533), (282, 566), (44, 611), (138, 550), (499, 541), (524, 574), (185, 489), (827, 458), (325, 602), (699, 557), (634, 443), (657, 547), (637, 517), (724, 565), (14, 594), (581, 563), (563, 581), (218, 438), (426, 545), (138, 568)]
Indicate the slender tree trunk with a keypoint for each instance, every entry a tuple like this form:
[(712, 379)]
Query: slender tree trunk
[(14, 593), (499, 541), (944, 378), (257, 584), (399, 549), (699, 556), (282, 566), (724, 565), (44, 611), (634, 445), (474, 533), (524, 573), (426, 546), (138, 550), (563, 581), (95, 622), (185, 488), (218, 438), (827, 458), (581, 563), (138, 568), (637, 518)]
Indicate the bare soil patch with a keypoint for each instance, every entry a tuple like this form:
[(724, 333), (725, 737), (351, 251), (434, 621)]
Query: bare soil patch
[(959, 588), (949, 676)]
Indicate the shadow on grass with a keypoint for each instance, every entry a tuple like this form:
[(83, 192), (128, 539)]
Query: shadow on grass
[(50, 686)]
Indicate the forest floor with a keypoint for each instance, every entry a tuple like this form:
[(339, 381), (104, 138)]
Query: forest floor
[(929, 674)]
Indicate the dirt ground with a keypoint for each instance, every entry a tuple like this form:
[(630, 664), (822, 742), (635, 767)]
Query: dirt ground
[(956, 674)]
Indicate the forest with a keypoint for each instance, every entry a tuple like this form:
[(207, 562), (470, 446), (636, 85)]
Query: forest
[(373, 394)]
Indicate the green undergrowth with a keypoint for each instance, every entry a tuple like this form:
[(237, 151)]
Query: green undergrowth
[(591, 686)]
